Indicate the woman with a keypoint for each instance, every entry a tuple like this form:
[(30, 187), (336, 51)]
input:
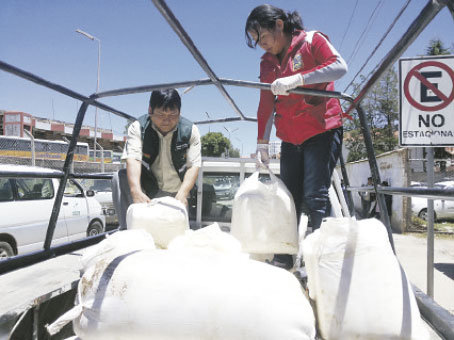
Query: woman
[(310, 127)]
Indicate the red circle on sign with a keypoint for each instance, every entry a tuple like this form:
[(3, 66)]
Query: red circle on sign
[(414, 71)]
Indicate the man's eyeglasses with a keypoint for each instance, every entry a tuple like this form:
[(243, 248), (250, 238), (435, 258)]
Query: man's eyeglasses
[(164, 116)]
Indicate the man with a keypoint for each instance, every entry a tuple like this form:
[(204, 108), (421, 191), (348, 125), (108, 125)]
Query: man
[(162, 151), (367, 200)]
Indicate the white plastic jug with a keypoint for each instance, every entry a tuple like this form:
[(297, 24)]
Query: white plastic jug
[(164, 218), (264, 217)]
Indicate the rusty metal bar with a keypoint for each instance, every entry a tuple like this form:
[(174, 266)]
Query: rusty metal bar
[(59, 88), (149, 88), (187, 41), (432, 8)]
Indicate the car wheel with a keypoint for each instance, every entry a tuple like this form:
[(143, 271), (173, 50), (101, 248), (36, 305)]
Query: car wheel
[(423, 215), (5, 250), (95, 228)]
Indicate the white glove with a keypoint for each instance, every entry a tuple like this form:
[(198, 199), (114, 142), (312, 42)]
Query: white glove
[(280, 86), (262, 155)]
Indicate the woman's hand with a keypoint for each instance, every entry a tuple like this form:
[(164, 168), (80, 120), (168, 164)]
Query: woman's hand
[(262, 155), (280, 86)]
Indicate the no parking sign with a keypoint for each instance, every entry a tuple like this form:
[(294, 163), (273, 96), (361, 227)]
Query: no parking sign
[(427, 101)]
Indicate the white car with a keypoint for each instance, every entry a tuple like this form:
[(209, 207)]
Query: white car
[(103, 194), (443, 209), (25, 209)]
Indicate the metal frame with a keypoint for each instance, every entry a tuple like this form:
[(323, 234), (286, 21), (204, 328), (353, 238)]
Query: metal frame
[(427, 14)]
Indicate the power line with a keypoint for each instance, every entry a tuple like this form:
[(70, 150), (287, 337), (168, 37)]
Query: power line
[(363, 35), (404, 7), (348, 25)]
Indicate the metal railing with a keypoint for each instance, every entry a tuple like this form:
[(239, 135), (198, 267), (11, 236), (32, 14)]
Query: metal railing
[(423, 19)]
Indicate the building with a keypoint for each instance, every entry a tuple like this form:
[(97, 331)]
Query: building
[(275, 149), (13, 123)]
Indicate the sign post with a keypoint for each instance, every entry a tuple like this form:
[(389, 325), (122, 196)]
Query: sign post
[(427, 120)]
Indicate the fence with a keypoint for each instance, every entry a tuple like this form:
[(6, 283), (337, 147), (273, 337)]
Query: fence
[(50, 154)]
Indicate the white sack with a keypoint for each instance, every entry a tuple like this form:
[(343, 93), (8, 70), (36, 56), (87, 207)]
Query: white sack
[(119, 243), (164, 294), (360, 290), (164, 218), (264, 217), (209, 239), (95, 262)]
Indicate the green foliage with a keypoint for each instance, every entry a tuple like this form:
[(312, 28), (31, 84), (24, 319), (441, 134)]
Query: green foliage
[(381, 109), (436, 47), (214, 144)]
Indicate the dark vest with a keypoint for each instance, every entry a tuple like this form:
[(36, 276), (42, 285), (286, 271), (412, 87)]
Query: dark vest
[(150, 150)]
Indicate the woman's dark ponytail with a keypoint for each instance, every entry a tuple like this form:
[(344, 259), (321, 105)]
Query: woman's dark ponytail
[(265, 16), (293, 22)]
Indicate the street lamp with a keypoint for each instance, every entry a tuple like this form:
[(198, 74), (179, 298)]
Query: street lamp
[(92, 37), (239, 140), (230, 132), (209, 125)]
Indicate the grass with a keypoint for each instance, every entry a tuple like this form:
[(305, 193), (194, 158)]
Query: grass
[(442, 229)]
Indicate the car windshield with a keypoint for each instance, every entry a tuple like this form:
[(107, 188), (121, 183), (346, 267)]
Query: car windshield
[(97, 184)]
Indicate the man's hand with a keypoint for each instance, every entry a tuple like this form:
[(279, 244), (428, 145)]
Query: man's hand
[(139, 197), (188, 182), (262, 155), (280, 86), (133, 171), (182, 198)]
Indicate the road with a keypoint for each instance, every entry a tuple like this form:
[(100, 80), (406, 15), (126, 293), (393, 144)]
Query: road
[(412, 253)]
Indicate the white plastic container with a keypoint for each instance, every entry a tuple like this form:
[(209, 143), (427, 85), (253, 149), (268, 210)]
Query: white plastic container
[(264, 217), (164, 218), (360, 289)]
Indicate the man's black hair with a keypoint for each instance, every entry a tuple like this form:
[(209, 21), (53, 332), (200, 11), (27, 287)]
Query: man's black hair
[(165, 99)]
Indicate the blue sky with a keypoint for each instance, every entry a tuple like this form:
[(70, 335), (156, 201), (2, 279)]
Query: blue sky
[(138, 47)]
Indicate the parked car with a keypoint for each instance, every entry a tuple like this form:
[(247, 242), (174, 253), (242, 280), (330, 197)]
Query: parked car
[(223, 189), (443, 209), (103, 194), (26, 205)]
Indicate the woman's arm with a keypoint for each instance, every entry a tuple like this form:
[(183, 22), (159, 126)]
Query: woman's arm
[(266, 105), (331, 66)]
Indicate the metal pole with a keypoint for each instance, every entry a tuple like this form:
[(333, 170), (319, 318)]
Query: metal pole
[(102, 156), (61, 188), (199, 198), (375, 173), (32, 146), (430, 224), (187, 41), (418, 25), (72, 163), (93, 38), (350, 204), (60, 89), (450, 4), (97, 90)]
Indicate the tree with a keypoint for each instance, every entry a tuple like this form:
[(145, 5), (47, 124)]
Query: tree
[(214, 144), (381, 109), (436, 47)]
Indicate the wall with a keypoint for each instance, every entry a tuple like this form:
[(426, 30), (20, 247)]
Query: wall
[(393, 167)]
